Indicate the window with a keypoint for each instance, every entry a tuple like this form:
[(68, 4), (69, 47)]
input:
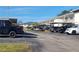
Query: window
[(71, 16), (66, 17), (7, 23), (75, 26), (2, 23)]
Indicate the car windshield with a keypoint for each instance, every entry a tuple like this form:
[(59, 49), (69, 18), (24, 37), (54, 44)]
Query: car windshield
[(75, 26)]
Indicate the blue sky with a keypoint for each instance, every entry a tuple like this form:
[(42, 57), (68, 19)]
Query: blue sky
[(33, 13)]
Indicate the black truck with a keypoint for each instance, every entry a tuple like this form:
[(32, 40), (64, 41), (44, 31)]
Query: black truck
[(10, 27)]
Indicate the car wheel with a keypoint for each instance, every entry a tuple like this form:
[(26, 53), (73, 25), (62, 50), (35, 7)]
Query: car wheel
[(73, 32), (12, 34), (51, 30)]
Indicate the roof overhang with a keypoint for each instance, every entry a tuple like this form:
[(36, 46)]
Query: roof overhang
[(75, 11)]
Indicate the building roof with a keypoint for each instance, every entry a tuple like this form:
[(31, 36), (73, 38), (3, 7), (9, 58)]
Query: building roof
[(75, 10)]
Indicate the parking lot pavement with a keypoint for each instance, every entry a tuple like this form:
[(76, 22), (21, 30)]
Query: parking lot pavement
[(57, 42), (47, 41)]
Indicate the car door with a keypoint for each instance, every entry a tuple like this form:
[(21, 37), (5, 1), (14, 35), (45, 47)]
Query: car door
[(2, 26), (7, 26), (78, 29)]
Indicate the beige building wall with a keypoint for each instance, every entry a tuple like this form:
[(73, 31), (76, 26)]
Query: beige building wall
[(59, 20), (76, 18)]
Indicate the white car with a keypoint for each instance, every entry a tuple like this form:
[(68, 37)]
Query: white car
[(73, 30)]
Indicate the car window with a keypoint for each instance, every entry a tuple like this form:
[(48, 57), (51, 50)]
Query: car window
[(7, 23), (2, 23), (75, 26)]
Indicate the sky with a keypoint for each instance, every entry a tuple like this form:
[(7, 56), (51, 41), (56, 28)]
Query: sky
[(33, 13)]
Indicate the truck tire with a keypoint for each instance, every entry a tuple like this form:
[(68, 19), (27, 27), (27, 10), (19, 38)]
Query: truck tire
[(12, 34), (73, 32)]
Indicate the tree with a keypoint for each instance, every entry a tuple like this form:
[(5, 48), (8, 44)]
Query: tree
[(64, 12), (35, 24), (20, 22)]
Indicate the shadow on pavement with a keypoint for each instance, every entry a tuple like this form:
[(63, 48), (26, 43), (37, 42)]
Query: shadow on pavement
[(27, 35), (24, 35)]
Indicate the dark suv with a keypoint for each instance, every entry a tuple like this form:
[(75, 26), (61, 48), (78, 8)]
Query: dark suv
[(9, 28)]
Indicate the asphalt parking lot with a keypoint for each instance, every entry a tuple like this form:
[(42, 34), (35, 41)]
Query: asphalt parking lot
[(47, 41)]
